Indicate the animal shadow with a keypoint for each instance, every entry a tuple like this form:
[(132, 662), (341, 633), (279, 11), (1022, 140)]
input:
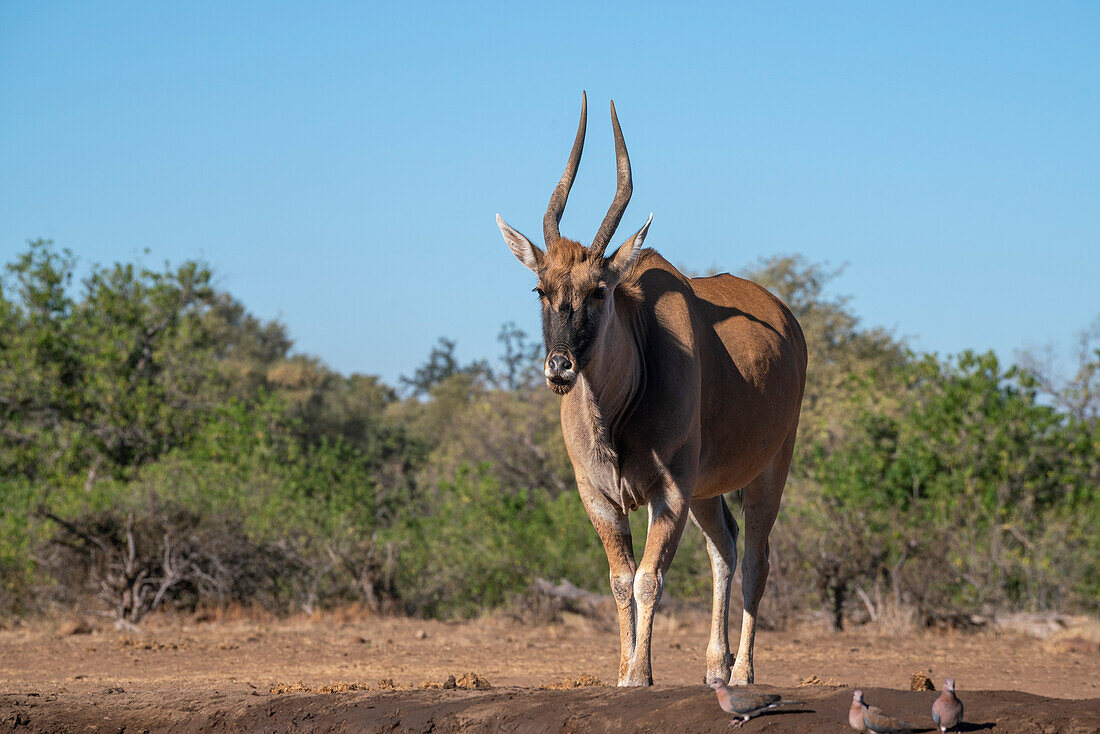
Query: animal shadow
[(961, 727), (783, 712)]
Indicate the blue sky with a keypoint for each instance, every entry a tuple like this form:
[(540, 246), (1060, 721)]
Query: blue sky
[(340, 164)]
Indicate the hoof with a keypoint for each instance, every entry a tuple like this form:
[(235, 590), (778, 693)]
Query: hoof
[(634, 682), (716, 675), (740, 680)]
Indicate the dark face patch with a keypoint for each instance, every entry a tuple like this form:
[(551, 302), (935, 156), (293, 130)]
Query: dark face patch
[(571, 321), (570, 326), (572, 295)]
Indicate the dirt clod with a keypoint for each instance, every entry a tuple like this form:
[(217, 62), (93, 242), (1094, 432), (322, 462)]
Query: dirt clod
[(581, 681), (813, 680), (16, 720), (472, 680), (296, 687), (343, 687), (448, 684), (921, 682)]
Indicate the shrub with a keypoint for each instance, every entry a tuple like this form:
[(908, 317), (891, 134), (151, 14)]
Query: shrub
[(475, 544)]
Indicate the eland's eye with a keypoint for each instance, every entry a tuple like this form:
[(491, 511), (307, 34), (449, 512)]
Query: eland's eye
[(599, 293), (540, 291)]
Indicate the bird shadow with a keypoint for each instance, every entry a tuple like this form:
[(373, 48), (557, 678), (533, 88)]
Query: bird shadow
[(782, 712), (975, 727)]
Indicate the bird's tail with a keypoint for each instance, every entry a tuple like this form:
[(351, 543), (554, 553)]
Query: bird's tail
[(790, 703)]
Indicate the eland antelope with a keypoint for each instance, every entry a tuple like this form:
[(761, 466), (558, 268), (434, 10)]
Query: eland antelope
[(675, 390)]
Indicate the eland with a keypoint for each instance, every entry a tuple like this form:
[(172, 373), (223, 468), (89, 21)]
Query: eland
[(675, 391)]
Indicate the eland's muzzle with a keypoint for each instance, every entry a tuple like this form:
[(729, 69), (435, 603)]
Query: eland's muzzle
[(560, 373)]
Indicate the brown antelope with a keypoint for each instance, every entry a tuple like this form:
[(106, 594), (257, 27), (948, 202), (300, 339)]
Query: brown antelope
[(675, 391)]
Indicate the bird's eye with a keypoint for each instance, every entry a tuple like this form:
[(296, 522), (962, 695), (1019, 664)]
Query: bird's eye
[(599, 293), (541, 292)]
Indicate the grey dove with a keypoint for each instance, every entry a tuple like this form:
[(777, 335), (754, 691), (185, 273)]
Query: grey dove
[(873, 720), (746, 704), (947, 711)]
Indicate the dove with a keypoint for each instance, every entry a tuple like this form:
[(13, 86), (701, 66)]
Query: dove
[(873, 720), (947, 711), (746, 704)]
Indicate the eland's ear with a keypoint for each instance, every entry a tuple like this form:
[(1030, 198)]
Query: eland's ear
[(624, 257), (521, 247)]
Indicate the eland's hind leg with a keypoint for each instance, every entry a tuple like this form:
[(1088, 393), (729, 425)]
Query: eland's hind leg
[(712, 516), (761, 502)]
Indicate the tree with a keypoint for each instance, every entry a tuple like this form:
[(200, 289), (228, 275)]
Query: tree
[(1079, 394), (520, 361), (968, 498), (106, 382), (441, 365)]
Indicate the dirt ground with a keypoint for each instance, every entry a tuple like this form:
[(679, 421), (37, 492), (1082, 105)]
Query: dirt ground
[(341, 673)]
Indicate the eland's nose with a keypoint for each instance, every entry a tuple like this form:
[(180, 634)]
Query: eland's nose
[(559, 364)]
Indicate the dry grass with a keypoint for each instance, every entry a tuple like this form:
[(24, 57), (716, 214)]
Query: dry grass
[(894, 619)]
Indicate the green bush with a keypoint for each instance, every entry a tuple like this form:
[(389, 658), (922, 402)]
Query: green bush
[(147, 403), (475, 544)]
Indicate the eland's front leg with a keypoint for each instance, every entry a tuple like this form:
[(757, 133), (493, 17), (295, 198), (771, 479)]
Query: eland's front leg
[(613, 527), (667, 518)]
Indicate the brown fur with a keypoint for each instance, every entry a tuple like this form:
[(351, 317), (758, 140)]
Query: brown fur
[(569, 264), (570, 269), (629, 289)]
